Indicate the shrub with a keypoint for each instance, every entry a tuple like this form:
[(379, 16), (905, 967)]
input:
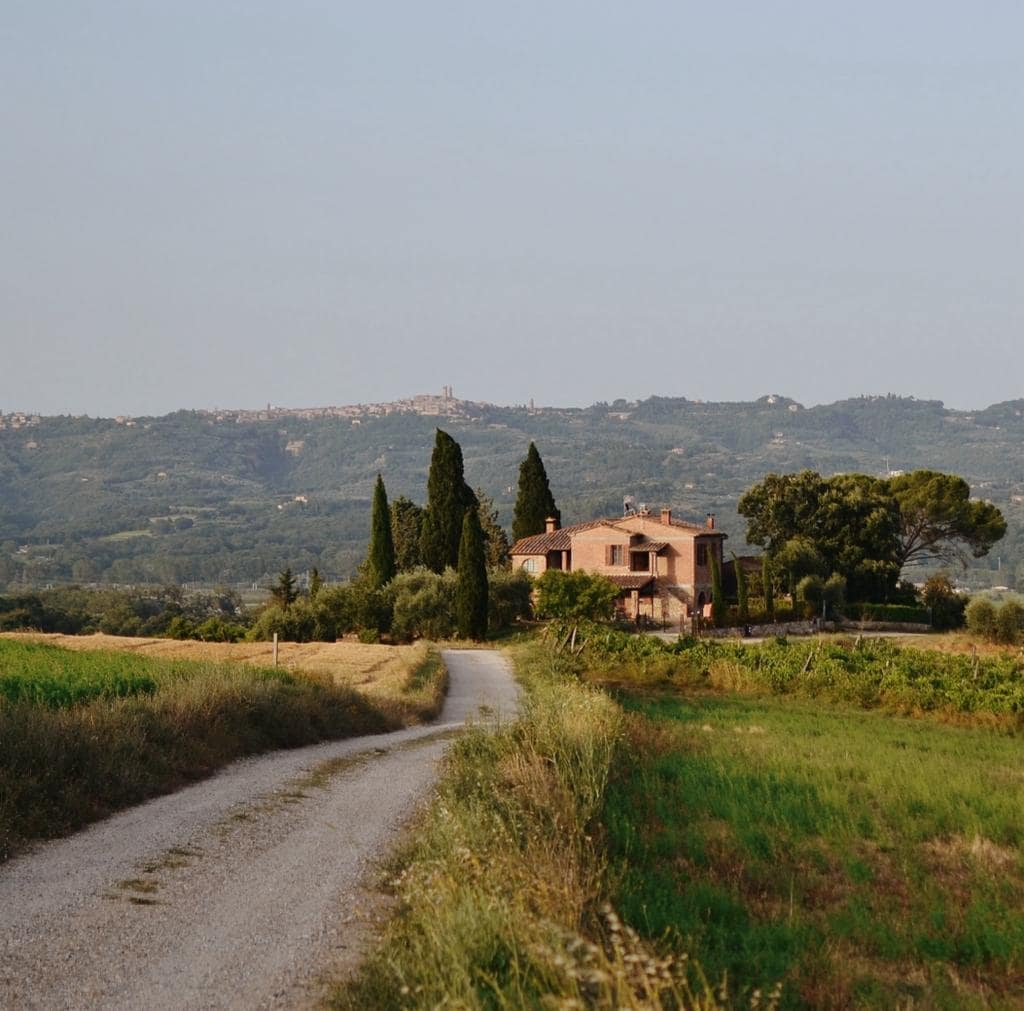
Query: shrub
[(121, 620), (946, 605), (423, 605), (810, 591), (294, 624), (349, 608), (219, 630), (1009, 622), (179, 627), (575, 596), (834, 590), (510, 593), (981, 618)]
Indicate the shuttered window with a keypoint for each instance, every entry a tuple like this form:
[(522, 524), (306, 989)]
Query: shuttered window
[(615, 554)]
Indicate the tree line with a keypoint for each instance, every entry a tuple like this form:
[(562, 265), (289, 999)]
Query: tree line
[(866, 530), (434, 571)]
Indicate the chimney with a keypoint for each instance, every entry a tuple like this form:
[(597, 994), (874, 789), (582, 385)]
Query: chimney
[(666, 516), (711, 521), (550, 525)]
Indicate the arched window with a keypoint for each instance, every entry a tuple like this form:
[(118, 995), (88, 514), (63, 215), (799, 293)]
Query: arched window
[(530, 565)]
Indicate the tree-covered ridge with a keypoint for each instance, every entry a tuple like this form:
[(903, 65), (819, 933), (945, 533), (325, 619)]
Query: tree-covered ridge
[(184, 497)]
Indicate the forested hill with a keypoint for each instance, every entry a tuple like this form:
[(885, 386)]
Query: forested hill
[(197, 496)]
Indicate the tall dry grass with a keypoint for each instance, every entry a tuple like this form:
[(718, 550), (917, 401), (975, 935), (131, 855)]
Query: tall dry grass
[(61, 768), (500, 889)]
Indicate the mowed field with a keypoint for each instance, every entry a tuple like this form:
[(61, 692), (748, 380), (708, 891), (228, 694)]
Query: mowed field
[(374, 670)]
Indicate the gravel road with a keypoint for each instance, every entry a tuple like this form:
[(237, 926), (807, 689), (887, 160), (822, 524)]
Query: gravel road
[(237, 892)]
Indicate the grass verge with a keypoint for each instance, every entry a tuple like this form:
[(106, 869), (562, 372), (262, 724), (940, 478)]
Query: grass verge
[(83, 735), (499, 890)]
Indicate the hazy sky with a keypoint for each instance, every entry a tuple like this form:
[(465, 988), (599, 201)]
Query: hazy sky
[(322, 202)]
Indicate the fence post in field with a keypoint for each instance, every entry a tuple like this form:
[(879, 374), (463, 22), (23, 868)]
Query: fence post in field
[(275, 649)]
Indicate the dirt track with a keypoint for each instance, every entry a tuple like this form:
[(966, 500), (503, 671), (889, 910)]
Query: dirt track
[(240, 891)]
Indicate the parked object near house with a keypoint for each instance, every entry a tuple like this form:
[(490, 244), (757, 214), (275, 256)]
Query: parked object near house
[(662, 565)]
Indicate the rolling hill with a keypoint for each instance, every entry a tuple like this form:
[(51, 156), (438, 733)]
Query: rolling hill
[(232, 497)]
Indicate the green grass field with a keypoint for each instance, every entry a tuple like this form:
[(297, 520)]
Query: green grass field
[(861, 858)]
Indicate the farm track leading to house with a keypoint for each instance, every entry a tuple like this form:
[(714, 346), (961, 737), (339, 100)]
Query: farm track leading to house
[(240, 891)]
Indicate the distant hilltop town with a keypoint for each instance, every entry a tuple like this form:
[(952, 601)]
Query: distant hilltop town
[(430, 405), (18, 419), (444, 405)]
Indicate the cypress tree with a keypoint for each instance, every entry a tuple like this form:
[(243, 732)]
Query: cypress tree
[(742, 597), (534, 501), (495, 539), (380, 559), (768, 587), (448, 498), (471, 585), (406, 528), (316, 583), (284, 591), (717, 593)]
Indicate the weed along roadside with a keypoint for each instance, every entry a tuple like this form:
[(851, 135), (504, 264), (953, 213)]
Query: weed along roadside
[(721, 826), (502, 885), (85, 734)]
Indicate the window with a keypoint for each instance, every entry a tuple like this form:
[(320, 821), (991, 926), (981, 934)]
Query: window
[(616, 554), (639, 561), (702, 554), (530, 565)]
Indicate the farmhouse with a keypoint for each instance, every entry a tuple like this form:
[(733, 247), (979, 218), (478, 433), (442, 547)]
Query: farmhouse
[(662, 565)]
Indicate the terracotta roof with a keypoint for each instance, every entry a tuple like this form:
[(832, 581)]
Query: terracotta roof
[(558, 540), (699, 528), (630, 582), (645, 546), (561, 540)]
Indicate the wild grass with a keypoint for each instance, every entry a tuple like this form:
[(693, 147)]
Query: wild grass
[(499, 887), (76, 744), (861, 858)]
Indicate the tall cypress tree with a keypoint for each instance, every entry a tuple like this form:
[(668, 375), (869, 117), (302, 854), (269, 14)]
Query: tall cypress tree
[(448, 498), (717, 592), (471, 586), (380, 559), (742, 596), (285, 591), (495, 539), (768, 587), (534, 501), (406, 528)]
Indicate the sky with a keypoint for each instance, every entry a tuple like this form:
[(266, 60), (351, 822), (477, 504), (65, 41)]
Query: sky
[(309, 203)]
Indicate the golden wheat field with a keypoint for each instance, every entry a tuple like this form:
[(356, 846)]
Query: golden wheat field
[(374, 670)]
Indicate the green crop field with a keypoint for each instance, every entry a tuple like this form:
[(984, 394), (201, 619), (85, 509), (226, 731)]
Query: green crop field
[(862, 859), (45, 675)]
